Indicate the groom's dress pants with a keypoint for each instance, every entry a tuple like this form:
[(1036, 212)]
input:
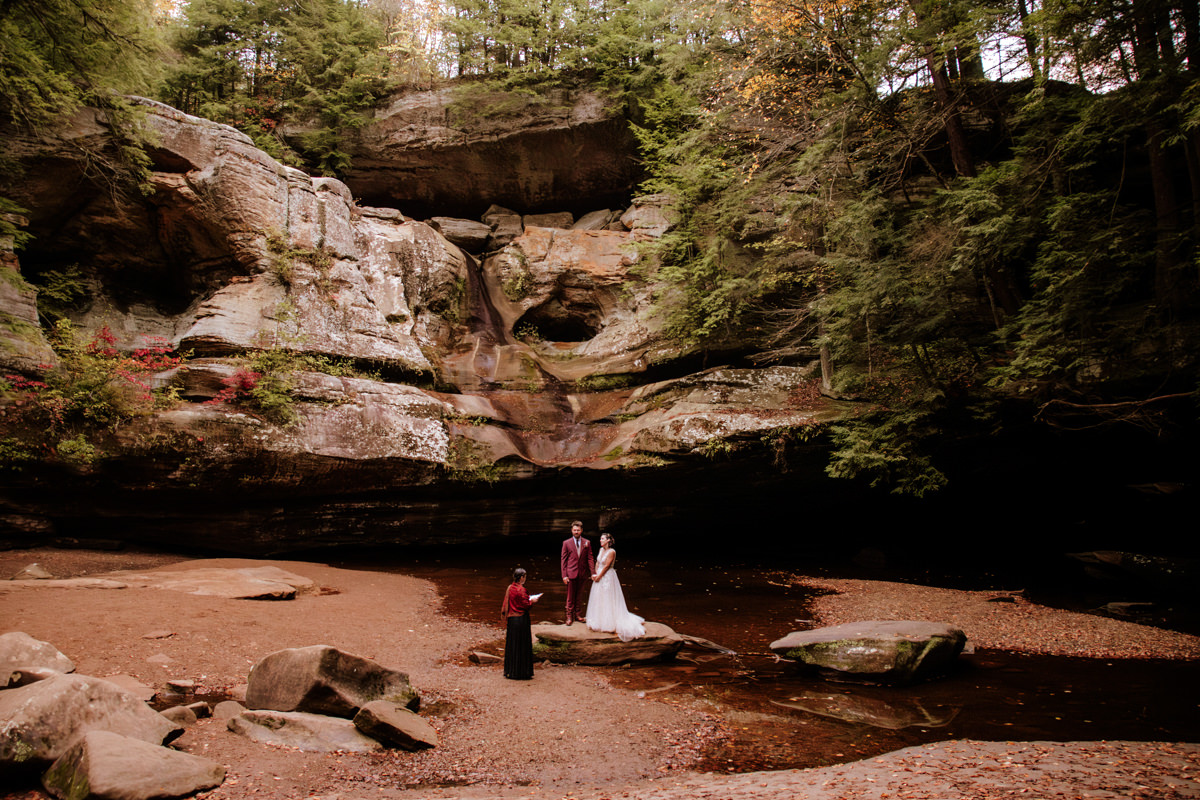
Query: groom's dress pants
[(574, 592)]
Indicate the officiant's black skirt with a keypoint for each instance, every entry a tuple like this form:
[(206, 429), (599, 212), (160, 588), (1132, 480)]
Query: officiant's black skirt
[(518, 649)]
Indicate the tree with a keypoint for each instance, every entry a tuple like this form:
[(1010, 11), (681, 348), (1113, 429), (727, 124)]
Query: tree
[(256, 64), (57, 55), (853, 186)]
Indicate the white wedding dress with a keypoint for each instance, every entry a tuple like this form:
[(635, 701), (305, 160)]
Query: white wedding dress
[(606, 609)]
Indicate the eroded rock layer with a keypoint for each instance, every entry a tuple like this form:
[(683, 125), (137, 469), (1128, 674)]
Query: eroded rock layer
[(410, 379)]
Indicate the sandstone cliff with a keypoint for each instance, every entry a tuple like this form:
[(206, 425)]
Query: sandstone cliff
[(455, 377)]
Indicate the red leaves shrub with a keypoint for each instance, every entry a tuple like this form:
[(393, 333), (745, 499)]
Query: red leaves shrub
[(238, 386)]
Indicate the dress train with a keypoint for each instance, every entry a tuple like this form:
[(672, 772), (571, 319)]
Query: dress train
[(607, 612)]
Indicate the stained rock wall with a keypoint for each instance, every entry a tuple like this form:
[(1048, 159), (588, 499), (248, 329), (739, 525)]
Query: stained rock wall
[(459, 149), (546, 354)]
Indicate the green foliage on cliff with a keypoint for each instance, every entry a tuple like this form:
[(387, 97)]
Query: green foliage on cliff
[(92, 390), (59, 55), (852, 184), (262, 64)]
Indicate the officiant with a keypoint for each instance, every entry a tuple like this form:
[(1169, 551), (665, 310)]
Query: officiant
[(518, 641)]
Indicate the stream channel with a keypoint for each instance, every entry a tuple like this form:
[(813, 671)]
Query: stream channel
[(741, 604)]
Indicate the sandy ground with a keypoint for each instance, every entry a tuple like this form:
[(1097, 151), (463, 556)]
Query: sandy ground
[(567, 733)]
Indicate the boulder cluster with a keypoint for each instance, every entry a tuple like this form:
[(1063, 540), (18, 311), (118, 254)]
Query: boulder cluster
[(87, 736), (648, 216), (98, 739), (321, 699)]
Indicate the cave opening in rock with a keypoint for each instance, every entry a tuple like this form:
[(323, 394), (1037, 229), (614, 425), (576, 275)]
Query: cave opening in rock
[(557, 322)]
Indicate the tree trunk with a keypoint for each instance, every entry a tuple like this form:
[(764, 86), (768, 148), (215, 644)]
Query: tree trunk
[(956, 134), (1168, 288), (1030, 42), (1189, 13)]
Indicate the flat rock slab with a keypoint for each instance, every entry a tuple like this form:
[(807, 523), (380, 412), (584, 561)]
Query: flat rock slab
[(132, 685), (241, 583), (324, 680), (884, 651), (395, 725), (64, 583), (313, 733), (575, 644), (21, 651), (108, 766), (40, 721)]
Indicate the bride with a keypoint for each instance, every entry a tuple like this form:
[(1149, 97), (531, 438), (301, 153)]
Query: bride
[(606, 609)]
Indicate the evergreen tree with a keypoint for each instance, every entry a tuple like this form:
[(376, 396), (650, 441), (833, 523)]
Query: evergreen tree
[(853, 187), (57, 55), (256, 63)]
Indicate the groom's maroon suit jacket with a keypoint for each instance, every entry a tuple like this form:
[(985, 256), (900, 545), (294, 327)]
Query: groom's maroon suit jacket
[(577, 565)]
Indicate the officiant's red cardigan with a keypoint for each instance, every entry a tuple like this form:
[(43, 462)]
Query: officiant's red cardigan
[(516, 601)]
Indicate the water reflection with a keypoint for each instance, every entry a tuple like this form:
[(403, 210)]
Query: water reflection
[(779, 718), (889, 711)]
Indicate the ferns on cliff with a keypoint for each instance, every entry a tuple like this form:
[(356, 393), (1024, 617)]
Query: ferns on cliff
[(822, 216)]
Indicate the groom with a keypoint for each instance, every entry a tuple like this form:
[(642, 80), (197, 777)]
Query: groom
[(578, 564)]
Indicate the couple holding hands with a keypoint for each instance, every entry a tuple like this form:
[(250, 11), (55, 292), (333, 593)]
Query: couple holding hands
[(607, 611)]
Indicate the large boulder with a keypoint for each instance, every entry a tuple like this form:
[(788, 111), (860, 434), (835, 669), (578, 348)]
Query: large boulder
[(893, 652), (505, 224), (324, 680), (38, 722), (593, 220), (575, 644), (395, 725), (651, 216), (313, 733), (108, 766), (19, 650)]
